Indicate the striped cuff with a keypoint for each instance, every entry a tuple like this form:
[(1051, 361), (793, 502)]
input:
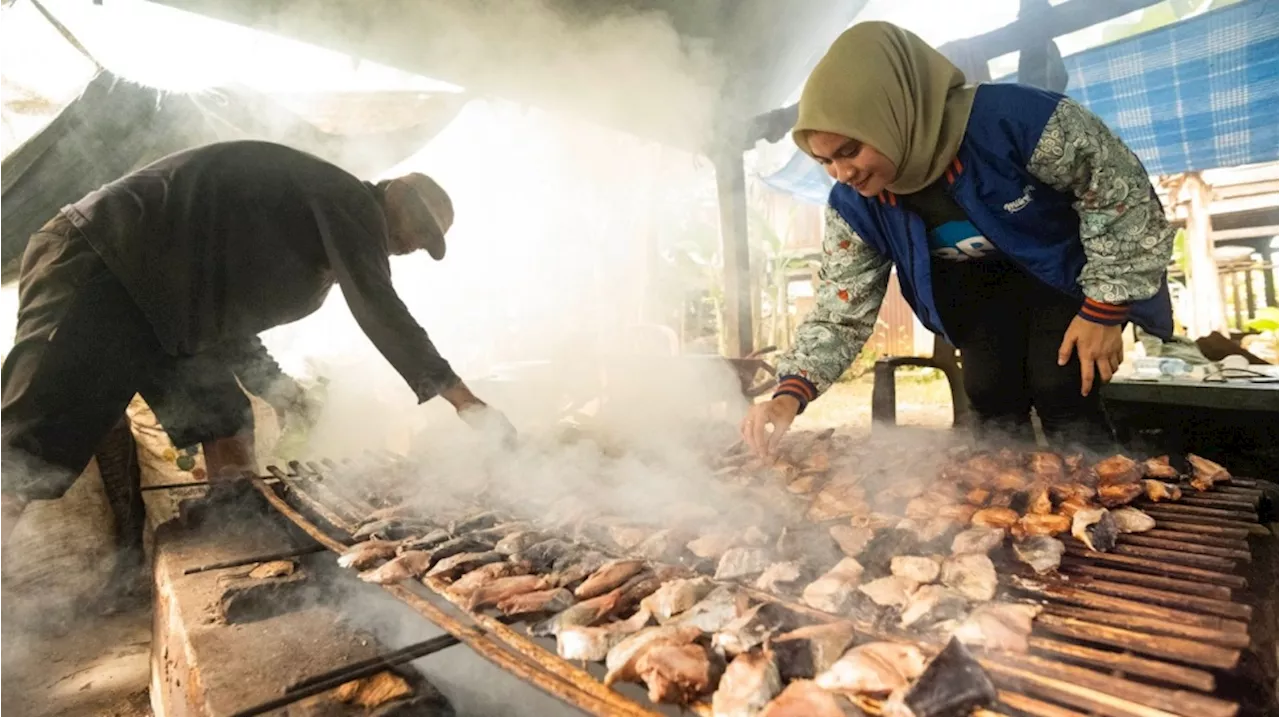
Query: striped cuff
[(1105, 314), (799, 388)]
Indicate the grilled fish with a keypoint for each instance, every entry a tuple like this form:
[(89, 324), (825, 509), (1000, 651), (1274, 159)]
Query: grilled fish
[(677, 675), (1159, 468), (628, 536), (931, 604), (1117, 470), (850, 539), (539, 601), (607, 577), (752, 628), (392, 529), (953, 683), (519, 541), (980, 539), (1034, 524), (804, 698), (500, 530), (741, 563), (502, 589), (998, 626), (778, 577), (1158, 491), (720, 607), (1041, 552), (585, 613), (995, 518), (712, 545), (484, 575), (406, 566), (1132, 520), (622, 658), (834, 591), (748, 684), (455, 566), (457, 546), (891, 591), (1047, 466), (813, 649), (478, 521), (875, 668), (1114, 495), (676, 596), (972, 575), (1204, 472), (574, 567), (1095, 528), (427, 541), (363, 556), (664, 546), (579, 642), (541, 556), (837, 499), (916, 568)]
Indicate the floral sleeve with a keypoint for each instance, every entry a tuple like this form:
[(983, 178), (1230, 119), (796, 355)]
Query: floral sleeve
[(1127, 240), (852, 283)]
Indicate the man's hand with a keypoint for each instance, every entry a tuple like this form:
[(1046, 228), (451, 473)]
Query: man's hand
[(480, 416), (1096, 345), (778, 412)]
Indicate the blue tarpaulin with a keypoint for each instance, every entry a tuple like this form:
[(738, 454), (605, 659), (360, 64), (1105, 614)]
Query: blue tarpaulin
[(1199, 94)]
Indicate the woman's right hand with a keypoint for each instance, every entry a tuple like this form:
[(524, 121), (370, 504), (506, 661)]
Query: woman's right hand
[(778, 413)]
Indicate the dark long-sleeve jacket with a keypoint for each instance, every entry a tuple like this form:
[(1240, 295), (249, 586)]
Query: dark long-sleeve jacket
[(221, 242)]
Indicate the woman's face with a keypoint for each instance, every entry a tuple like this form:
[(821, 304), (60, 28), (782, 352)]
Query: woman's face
[(851, 162)]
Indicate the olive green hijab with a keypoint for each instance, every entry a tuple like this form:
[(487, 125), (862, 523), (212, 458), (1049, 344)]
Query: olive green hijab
[(883, 86)]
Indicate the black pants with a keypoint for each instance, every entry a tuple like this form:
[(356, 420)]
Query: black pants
[(1008, 326), (82, 350)]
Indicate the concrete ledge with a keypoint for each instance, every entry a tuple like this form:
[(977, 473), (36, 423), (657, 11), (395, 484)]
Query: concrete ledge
[(201, 665)]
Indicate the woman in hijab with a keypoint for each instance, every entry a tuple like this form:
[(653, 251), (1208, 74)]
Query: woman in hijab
[(1021, 228)]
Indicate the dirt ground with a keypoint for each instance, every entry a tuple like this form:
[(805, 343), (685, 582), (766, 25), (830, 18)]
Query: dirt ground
[(95, 666)]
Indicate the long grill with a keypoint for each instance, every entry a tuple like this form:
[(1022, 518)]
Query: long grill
[(1154, 628)]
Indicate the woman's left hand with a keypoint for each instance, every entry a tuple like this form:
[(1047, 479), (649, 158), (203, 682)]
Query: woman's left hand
[(1096, 344)]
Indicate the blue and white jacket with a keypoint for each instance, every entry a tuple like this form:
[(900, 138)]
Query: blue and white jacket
[(1042, 179)]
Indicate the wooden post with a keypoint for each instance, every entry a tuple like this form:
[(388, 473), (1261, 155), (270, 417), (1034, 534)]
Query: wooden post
[(731, 185), (1207, 314)]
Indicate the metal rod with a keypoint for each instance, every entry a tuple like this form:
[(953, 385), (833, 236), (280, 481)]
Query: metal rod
[(266, 558), (193, 484), (348, 674), (356, 670)]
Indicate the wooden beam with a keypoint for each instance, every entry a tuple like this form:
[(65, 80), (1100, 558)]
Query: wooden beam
[(731, 186), (1057, 21)]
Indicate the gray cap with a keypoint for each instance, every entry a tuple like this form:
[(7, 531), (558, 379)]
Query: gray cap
[(438, 205)]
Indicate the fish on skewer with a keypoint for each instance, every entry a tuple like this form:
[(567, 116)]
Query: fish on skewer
[(466, 585), (678, 675), (554, 600), (455, 566), (592, 643), (404, 567), (503, 589), (676, 596), (622, 657), (363, 556), (607, 577)]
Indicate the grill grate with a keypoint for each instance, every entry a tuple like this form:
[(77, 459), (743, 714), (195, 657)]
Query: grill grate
[(1144, 631)]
